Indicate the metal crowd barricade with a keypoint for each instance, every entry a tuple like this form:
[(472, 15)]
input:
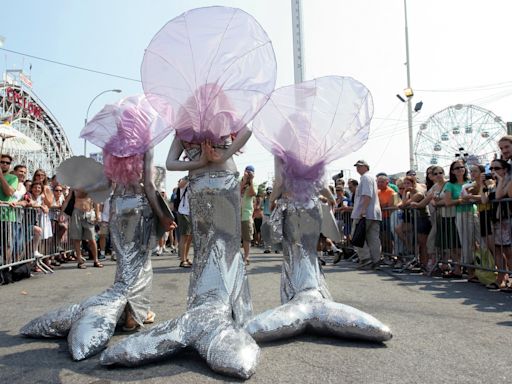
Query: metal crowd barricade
[(457, 234), (344, 223), (17, 236)]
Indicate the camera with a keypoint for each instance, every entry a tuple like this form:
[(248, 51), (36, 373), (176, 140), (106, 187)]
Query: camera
[(488, 176), (338, 176)]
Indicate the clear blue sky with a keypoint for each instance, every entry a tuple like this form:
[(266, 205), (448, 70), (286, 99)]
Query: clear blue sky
[(455, 44)]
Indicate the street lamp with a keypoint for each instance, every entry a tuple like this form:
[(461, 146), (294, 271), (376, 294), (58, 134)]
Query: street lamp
[(408, 91), (89, 107)]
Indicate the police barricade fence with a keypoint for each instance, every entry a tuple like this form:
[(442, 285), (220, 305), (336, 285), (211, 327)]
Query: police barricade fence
[(20, 227), (472, 236)]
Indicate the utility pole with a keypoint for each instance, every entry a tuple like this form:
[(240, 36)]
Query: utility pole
[(409, 92), (298, 41)]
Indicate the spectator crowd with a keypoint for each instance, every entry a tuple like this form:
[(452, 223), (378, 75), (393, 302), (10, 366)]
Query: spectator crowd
[(454, 224)]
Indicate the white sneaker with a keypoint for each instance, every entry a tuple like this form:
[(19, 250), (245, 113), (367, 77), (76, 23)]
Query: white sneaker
[(38, 254)]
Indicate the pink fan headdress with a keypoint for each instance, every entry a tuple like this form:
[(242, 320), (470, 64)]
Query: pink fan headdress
[(208, 72), (125, 130), (310, 124)]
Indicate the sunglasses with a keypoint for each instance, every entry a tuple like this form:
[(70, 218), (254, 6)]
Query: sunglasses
[(58, 190), (457, 168), (438, 173), (495, 168), (5, 162)]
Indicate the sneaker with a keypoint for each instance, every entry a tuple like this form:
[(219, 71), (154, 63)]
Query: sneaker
[(38, 254), (337, 257), (113, 257), (266, 251), (101, 256)]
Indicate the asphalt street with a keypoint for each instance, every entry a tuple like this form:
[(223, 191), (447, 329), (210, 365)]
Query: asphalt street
[(443, 331)]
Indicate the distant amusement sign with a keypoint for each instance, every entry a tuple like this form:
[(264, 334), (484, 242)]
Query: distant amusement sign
[(16, 97)]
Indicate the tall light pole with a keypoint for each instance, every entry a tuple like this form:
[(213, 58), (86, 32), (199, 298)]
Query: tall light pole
[(298, 41), (89, 107), (409, 92)]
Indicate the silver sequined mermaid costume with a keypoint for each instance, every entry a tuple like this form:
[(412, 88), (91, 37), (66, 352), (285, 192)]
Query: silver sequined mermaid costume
[(89, 325), (219, 299), (306, 301)]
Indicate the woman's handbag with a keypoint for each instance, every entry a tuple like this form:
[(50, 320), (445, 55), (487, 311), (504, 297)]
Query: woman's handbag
[(164, 206), (359, 236), (71, 205), (484, 259), (329, 227)]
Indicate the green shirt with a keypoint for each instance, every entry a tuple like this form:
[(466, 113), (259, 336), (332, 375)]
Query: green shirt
[(247, 207), (455, 190), (393, 187), (7, 213)]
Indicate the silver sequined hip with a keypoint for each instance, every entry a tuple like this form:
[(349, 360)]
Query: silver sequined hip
[(218, 274)]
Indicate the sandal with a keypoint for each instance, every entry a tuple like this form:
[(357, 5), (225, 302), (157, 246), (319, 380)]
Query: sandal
[(81, 265), (134, 327), (97, 264), (451, 275), (506, 289), (493, 286), (185, 264), (188, 261)]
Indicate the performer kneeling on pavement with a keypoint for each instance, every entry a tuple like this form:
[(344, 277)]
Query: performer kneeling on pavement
[(90, 324)]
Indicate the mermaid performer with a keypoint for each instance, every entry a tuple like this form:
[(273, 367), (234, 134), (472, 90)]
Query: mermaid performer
[(124, 131), (228, 89), (320, 120)]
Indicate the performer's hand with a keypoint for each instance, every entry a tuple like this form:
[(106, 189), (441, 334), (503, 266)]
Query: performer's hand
[(167, 224), (203, 159), (211, 155)]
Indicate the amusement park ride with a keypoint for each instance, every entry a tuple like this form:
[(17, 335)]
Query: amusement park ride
[(462, 130), (27, 114)]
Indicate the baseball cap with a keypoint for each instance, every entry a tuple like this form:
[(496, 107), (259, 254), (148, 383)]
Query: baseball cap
[(361, 162), (249, 168), (411, 172)]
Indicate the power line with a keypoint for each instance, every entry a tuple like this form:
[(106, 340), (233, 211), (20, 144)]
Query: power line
[(503, 84), (71, 65)]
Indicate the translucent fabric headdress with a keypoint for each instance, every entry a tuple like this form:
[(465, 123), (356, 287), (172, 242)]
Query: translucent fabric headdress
[(310, 124), (208, 72), (128, 127), (125, 130)]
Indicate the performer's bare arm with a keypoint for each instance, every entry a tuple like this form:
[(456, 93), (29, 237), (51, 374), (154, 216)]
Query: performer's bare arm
[(174, 163), (277, 188), (211, 158)]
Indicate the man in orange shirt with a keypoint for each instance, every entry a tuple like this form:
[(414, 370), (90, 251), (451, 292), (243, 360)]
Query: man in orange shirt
[(387, 201)]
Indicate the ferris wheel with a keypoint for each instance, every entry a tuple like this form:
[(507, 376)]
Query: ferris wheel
[(461, 130)]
